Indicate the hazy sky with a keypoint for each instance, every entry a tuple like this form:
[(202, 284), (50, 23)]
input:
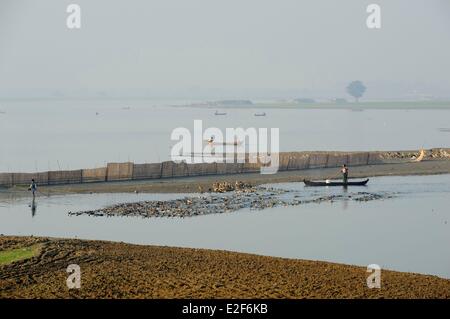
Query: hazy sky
[(170, 45)]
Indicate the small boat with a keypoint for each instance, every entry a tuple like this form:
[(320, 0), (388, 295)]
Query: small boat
[(219, 113), (212, 142), (260, 114), (329, 183)]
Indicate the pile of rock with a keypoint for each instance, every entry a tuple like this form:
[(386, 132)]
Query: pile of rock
[(400, 155), (440, 153), (257, 199), (435, 153), (223, 187)]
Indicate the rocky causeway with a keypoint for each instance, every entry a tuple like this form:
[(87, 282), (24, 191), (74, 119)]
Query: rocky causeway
[(218, 202)]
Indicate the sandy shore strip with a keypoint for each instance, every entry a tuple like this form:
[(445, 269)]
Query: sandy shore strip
[(204, 183), (118, 270)]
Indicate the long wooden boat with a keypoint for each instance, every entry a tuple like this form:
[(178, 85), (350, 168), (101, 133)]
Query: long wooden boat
[(359, 183)]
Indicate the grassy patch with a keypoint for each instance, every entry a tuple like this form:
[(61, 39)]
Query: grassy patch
[(9, 256)]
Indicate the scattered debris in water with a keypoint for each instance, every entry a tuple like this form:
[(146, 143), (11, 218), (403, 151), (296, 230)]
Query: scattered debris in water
[(242, 196)]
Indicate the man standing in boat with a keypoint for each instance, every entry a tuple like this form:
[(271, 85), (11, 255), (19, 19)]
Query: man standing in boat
[(344, 171)]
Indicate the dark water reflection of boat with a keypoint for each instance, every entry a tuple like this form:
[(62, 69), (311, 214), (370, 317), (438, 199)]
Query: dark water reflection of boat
[(334, 183)]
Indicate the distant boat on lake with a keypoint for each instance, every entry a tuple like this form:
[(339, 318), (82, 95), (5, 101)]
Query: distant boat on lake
[(220, 113), (260, 114), (212, 141)]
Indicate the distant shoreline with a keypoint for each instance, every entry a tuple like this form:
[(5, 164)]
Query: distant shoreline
[(270, 104), (384, 105)]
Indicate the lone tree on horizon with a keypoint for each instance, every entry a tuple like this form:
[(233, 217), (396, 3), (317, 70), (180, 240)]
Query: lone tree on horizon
[(356, 89)]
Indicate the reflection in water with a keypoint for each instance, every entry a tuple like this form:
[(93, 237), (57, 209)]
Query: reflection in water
[(345, 202), (33, 206)]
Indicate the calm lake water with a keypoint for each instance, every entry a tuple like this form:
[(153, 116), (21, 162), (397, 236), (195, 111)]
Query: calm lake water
[(409, 232), (51, 135)]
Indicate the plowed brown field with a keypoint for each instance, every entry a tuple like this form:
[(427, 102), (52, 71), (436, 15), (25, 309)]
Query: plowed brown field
[(118, 270)]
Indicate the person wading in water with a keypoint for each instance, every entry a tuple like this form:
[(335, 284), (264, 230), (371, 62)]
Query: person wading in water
[(33, 187), (344, 171)]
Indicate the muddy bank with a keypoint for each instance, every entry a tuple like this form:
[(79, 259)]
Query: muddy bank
[(203, 183), (118, 270), (254, 198)]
